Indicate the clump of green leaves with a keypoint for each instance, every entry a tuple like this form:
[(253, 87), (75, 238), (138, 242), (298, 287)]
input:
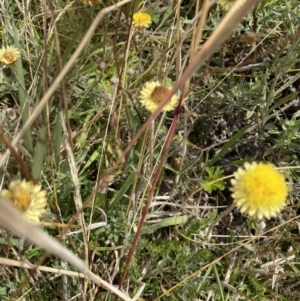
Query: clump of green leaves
[(288, 135), (214, 179)]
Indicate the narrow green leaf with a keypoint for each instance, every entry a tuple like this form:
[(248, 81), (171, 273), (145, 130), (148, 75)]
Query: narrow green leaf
[(127, 184), (22, 94), (92, 158), (218, 281), (169, 221), (203, 279), (283, 101), (205, 222), (172, 221), (39, 153), (287, 84), (57, 140), (228, 144)]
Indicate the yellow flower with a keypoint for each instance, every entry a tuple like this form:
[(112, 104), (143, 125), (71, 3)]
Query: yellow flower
[(153, 93), (9, 55), (259, 190), (141, 20), (228, 4), (91, 2), (27, 197)]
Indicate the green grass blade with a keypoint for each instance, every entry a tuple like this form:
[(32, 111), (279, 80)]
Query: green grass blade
[(22, 94), (228, 144), (204, 278), (127, 184), (57, 140), (166, 222), (218, 281), (39, 153), (282, 101)]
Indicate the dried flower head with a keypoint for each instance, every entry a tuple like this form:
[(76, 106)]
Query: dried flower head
[(153, 93), (9, 55), (228, 4), (259, 190), (27, 198), (91, 2), (141, 20)]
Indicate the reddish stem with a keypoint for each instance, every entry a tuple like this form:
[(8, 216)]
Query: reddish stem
[(153, 187)]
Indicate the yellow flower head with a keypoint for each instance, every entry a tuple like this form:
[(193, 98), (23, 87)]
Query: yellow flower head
[(141, 20), (259, 190), (91, 2), (228, 4), (9, 55), (27, 197), (153, 93)]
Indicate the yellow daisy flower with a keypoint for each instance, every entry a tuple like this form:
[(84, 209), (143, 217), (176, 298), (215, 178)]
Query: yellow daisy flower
[(141, 20), (9, 55), (228, 4), (259, 190), (153, 93), (27, 197)]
